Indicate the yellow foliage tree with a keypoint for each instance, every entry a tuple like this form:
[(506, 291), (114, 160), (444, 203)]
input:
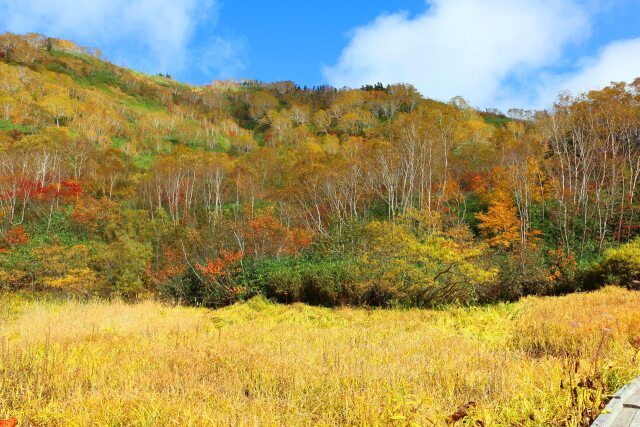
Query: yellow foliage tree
[(60, 107), (415, 262)]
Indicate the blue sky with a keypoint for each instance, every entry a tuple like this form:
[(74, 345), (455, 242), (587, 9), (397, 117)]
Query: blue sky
[(292, 40), (495, 53)]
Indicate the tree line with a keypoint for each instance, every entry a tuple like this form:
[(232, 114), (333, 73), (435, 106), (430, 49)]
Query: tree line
[(117, 183)]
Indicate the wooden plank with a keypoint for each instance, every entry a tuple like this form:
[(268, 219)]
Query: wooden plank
[(633, 402), (636, 420), (625, 418), (616, 413)]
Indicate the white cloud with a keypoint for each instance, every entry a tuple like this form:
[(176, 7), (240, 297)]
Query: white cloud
[(619, 61), (225, 57), (464, 47), (150, 35)]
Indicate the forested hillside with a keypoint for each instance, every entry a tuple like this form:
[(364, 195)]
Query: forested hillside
[(117, 183)]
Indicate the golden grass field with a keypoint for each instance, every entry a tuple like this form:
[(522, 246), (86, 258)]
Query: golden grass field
[(111, 364)]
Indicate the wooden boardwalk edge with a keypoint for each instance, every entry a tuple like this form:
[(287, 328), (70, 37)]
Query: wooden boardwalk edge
[(619, 412)]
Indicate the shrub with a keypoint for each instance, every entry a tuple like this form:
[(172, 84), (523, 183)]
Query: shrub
[(326, 282), (122, 265), (13, 280), (520, 273), (620, 266), (64, 268), (413, 262), (104, 77), (185, 288)]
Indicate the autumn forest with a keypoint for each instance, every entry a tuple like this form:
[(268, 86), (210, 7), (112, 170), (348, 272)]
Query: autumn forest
[(116, 183)]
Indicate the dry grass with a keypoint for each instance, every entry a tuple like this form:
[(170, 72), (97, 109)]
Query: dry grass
[(109, 364)]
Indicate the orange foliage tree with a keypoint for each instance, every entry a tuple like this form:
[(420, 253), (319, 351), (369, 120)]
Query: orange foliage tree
[(13, 238), (169, 267), (265, 235), (500, 224), (217, 275)]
